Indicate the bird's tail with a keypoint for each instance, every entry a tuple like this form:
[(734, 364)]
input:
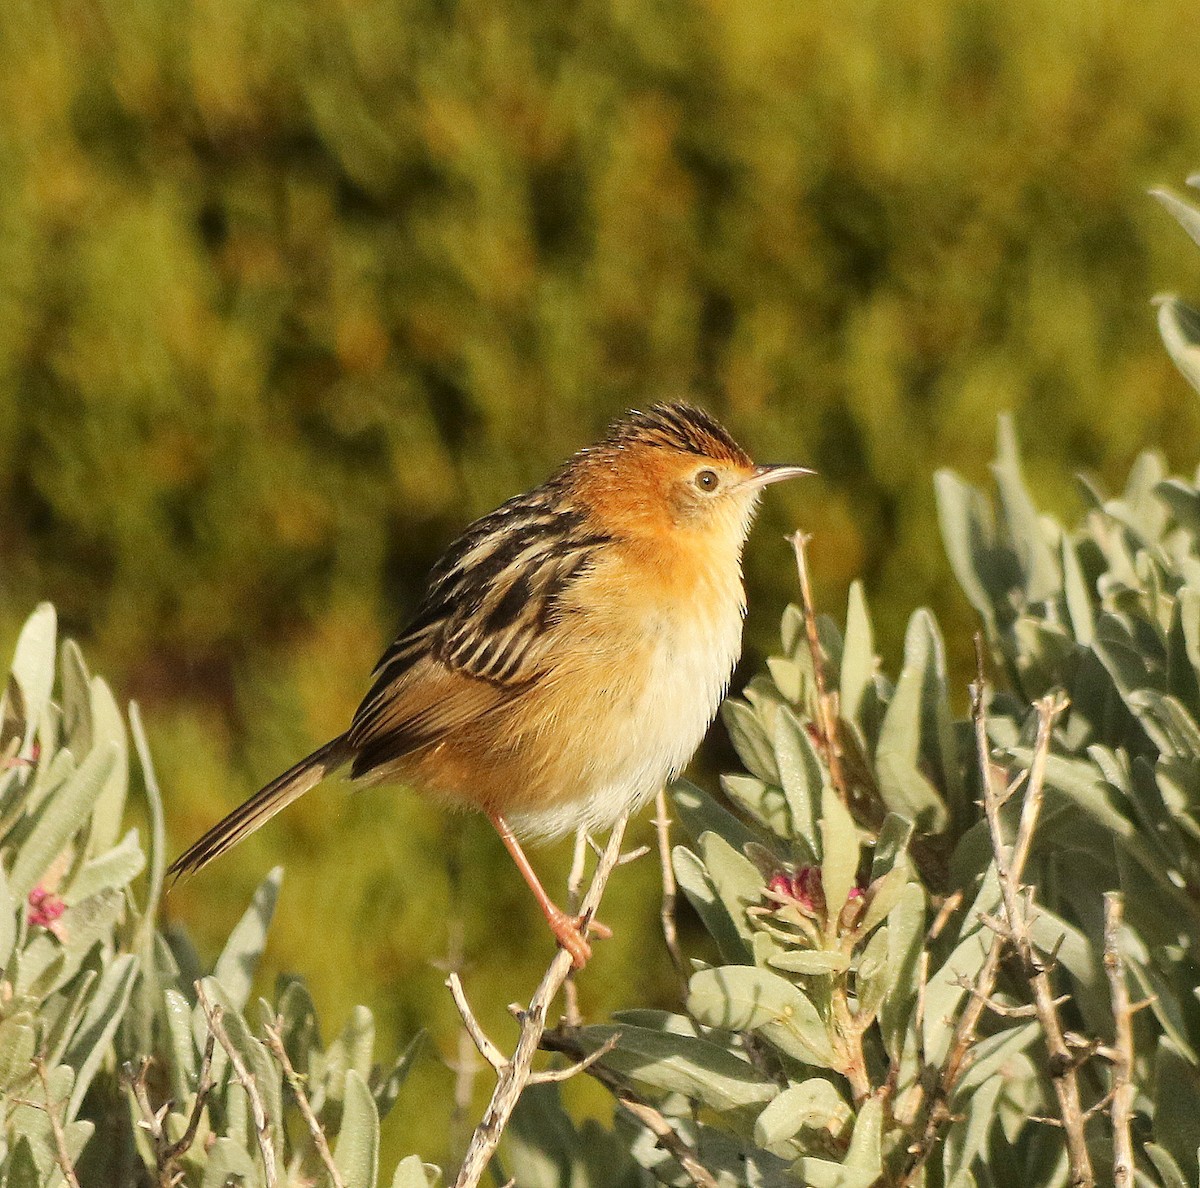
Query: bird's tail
[(263, 805)]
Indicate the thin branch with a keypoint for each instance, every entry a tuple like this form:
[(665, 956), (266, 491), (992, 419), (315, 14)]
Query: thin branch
[(641, 1110), (516, 1072), (1014, 929), (1122, 1074), (62, 1153), (486, 1048), (262, 1127), (662, 828), (275, 1043), (827, 719), (553, 1076)]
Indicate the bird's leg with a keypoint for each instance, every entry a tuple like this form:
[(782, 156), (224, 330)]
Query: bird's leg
[(568, 930)]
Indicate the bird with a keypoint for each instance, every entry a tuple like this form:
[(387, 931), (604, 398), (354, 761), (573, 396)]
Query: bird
[(569, 653)]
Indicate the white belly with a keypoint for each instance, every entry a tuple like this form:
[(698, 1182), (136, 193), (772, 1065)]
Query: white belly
[(644, 730)]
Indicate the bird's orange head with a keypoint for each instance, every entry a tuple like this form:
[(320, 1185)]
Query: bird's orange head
[(675, 470)]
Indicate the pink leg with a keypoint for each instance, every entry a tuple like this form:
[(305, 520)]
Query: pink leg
[(568, 930)]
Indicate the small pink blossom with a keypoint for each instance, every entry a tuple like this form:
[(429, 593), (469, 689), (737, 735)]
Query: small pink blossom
[(804, 887), (44, 910)]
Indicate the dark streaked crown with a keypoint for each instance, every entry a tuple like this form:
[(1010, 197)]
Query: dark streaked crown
[(677, 426)]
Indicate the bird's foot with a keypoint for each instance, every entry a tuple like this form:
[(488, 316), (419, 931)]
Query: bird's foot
[(569, 932)]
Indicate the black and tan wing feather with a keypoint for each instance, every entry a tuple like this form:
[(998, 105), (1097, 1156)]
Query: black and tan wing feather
[(492, 604)]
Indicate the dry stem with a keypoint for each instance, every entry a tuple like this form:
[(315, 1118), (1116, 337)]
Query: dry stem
[(62, 1154), (662, 828), (827, 718), (262, 1128), (1122, 1060), (1013, 930), (515, 1073), (275, 1043), (637, 1107)]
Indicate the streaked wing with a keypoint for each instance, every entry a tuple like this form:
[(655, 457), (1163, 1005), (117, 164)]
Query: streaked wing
[(483, 629)]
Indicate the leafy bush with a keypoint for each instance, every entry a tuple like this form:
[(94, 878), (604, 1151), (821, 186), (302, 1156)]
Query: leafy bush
[(109, 1052)]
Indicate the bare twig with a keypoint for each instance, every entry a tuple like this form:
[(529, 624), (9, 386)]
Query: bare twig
[(553, 1076), (637, 1107), (827, 717), (516, 1072), (662, 828), (275, 1043), (1014, 930), (61, 1153), (486, 1048), (1062, 1067), (1122, 1074), (262, 1127), (574, 892)]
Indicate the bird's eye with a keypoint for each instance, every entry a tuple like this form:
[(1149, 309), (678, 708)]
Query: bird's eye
[(707, 480)]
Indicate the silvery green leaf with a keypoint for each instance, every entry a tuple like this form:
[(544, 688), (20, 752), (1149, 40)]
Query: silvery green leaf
[(386, 1088), (743, 999), (700, 1070), (350, 1052), (803, 778), (975, 554), (898, 754), (750, 739), (991, 1055), (157, 841), (812, 1104), (762, 801), (17, 1041), (33, 666), (791, 629), (967, 1139), (891, 845), (700, 813), (732, 936), (735, 877), (944, 994), (788, 677), (839, 853), (1078, 594), (906, 934), (1184, 213), (89, 1047), (873, 982), (239, 959), (228, 1163), (866, 1145), (110, 871), (76, 700), (55, 1039), (1039, 566), (1168, 1170), (8, 920), (811, 961), (412, 1173), (178, 1017), (883, 895), (357, 1152), (1176, 1119), (107, 729), (857, 678), (20, 1169), (59, 819)]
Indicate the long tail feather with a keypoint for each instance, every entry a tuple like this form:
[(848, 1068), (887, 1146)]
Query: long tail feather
[(263, 805)]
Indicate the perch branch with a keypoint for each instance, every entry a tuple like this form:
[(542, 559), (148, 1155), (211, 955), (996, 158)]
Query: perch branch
[(634, 1104), (553, 1076), (486, 1048), (275, 1043), (515, 1074), (1122, 1074), (262, 1128)]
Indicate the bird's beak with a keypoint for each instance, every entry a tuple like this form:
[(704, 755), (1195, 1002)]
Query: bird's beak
[(765, 475)]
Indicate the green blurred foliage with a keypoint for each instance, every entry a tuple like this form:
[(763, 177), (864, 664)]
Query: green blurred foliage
[(290, 292)]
